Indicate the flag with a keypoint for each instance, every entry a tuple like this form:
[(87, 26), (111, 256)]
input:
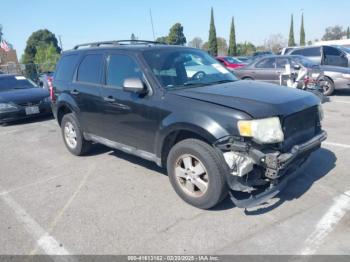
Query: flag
[(4, 45)]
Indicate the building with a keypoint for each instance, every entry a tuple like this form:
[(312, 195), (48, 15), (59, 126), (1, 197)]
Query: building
[(342, 42), (9, 62)]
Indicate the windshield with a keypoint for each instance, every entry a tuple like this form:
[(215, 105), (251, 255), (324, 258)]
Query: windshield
[(183, 68), (304, 61), (345, 49), (15, 82)]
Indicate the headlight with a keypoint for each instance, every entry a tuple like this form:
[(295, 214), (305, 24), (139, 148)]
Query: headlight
[(320, 112), (264, 131), (346, 76), (4, 107)]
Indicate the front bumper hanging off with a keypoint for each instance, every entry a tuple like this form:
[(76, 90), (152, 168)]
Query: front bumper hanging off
[(280, 169)]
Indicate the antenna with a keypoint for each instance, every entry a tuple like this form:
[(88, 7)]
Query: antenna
[(150, 14), (60, 40)]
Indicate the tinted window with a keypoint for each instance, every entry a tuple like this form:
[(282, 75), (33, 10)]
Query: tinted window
[(90, 69), (282, 62), (266, 63), (314, 51), (15, 82), (66, 68), (331, 51), (119, 68)]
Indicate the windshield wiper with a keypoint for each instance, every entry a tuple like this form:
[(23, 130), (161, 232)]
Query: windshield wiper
[(222, 82)]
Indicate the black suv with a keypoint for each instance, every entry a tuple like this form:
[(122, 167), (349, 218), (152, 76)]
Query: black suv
[(177, 106)]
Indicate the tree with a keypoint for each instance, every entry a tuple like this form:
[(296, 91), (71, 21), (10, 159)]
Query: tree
[(196, 42), (348, 33), (302, 31), (133, 37), (275, 43), (212, 42), (38, 38), (291, 41), (205, 46), (333, 33), (176, 35), (232, 50), (46, 57), (162, 39), (222, 46), (245, 48)]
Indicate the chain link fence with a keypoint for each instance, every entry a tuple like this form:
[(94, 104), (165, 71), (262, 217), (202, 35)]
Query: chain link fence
[(31, 70)]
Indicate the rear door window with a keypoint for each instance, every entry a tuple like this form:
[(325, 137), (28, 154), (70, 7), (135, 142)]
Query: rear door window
[(66, 68), (90, 69), (268, 63)]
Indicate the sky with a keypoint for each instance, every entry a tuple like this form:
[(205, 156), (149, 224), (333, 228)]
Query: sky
[(80, 21)]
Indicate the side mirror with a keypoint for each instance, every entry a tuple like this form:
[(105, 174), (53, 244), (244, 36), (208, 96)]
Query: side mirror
[(134, 85), (297, 67)]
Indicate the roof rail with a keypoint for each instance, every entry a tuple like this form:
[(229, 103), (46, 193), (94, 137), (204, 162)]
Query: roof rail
[(119, 42)]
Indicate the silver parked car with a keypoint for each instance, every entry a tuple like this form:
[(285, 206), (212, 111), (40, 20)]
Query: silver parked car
[(325, 55), (269, 69)]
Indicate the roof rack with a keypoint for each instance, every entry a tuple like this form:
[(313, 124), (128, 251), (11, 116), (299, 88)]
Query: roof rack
[(119, 42)]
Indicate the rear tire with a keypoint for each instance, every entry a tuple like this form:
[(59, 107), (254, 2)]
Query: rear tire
[(73, 136), (197, 173)]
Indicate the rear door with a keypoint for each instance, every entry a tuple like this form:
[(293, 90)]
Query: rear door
[(333, 56), (86, 91), (265, 70)]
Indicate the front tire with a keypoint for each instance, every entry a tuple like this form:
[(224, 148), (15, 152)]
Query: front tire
[(73, 135), (327, 86), (197, 173)]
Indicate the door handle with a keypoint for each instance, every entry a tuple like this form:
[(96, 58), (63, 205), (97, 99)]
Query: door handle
[(74, 92), (109, 99)]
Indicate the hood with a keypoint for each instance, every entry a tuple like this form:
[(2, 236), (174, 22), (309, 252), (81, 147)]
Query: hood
[(19, 96), (257, 99), (338, 69)]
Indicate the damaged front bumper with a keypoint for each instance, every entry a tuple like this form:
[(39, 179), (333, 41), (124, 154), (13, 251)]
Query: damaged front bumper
[(263, 175)]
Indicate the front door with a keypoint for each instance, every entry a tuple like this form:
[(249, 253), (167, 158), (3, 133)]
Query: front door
[(334, 57), (129, 118)]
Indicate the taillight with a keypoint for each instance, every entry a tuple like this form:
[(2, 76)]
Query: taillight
[(52, 92)]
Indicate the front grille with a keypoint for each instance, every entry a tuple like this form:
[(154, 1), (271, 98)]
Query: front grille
[(29, 104), (300, 127)]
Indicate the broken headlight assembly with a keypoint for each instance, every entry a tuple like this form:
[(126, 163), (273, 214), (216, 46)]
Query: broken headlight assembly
[(262, 131)]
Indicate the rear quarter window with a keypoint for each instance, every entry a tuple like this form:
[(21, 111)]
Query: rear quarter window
[(66, 67)]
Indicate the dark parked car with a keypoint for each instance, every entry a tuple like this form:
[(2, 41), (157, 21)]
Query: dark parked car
[(44, 79), (214, 134), (325, 55), (20, 98)]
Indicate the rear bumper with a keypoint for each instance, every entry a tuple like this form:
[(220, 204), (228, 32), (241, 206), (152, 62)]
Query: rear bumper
[(20, 114), (280, 168)]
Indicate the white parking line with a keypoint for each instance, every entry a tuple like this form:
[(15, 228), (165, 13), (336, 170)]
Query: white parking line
[(327, 223), (46, 242), (336, 144), (340, 101)]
